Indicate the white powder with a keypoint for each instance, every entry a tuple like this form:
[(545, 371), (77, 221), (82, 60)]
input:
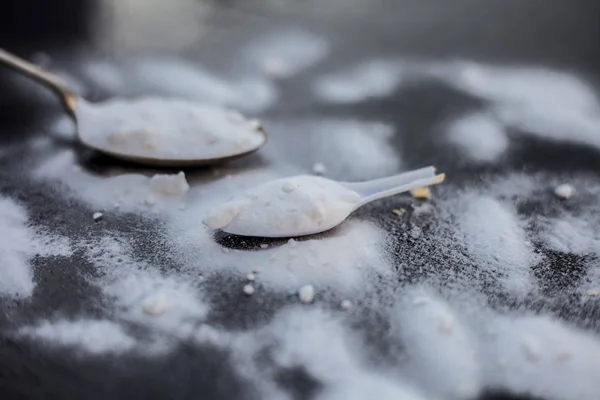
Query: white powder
[(285, 207), (327, 350), (349, 261), (346, 305), (569, 234), (285, 53), (179, 78), (495, 238), (319, 169), (89, 336), (136, 288), (104, 74), (479, 136), (154, 127), (306, 294), (564, 191), (541, 357), (248, 289), (439, 346), (378, 78), (63, 128), (169, 185), (338, 143), (550, 104), (123, 192), (19, 245)]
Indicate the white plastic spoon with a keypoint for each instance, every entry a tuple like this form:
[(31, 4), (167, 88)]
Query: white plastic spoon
[(305, 205), (152, 130)]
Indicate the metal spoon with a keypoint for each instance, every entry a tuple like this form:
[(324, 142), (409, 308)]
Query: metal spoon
[(305, 205), (74, 104)]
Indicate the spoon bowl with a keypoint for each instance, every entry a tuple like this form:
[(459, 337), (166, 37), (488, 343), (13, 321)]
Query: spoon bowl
[(306, 205), (80, 110)]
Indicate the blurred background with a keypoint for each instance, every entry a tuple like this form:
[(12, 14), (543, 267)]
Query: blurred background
[(553, 33)]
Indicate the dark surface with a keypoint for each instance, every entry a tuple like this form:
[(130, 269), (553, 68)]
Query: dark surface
[(558, 33)]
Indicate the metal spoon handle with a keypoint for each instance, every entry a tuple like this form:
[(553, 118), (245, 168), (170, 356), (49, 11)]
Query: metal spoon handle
[(66, 95)]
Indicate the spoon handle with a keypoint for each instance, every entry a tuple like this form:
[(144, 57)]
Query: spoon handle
[(389, 186), (66, 95)]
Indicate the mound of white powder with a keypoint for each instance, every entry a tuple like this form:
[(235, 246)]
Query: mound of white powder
[(164, 128), (285, 207), (21, 243)]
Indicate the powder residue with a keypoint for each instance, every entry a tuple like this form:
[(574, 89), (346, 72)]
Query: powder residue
[(339, 143), (285, 53), (495, 238), (20, 244), (542, 357), (439, 345), (479, 136), (378, 78), (547, 103), (88, 336)]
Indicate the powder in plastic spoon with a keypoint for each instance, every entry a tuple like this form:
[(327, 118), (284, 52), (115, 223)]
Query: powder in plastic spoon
[(294, 206)]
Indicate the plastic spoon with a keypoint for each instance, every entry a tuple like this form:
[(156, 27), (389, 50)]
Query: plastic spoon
[(305, 205), (111, 114)]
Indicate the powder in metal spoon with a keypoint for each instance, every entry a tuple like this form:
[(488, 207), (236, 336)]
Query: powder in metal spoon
[(166, 128)]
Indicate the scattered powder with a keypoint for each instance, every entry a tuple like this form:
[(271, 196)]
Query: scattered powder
[(155, 305), (550, 104), (319, 169), (20, 244), (424, 208), (286, 207), (495, 238), (564, 191), (306, 294), (276, 68), (89, 336), (179, 78), (378, 78), (569, 234), (104, 74), (346, 305), (515, 355), (127, 191), (161, 128), (169, 304), (439, 346), (63, 128), (479, 136), (286, 53), (540, 357), (340, 142), (327, 350), (249, 290), (169, 185)]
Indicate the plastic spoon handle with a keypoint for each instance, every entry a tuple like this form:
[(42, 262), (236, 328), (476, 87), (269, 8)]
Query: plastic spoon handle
[(66, 95), (384, 187)]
